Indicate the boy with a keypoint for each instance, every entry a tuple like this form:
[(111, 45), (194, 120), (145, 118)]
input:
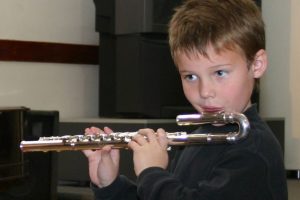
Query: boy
[(219, 50)]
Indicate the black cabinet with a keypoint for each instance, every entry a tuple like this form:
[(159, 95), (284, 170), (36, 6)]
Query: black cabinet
[(27, 175), (138, 78)]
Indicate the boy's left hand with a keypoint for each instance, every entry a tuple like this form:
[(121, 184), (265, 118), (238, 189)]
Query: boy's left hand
[(149, 150)]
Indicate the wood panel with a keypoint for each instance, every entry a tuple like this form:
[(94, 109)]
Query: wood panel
[(29, 51)]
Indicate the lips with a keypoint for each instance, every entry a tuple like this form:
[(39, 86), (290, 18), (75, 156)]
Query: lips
[(211, 109)]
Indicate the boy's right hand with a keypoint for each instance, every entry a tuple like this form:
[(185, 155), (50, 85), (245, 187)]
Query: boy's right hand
[(104, 163)]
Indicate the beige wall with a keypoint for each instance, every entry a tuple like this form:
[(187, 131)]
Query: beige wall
[(280, 92), (71, 89), (293, 141), (70, 21)]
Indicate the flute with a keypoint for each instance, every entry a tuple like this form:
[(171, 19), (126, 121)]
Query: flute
[(121, 139)]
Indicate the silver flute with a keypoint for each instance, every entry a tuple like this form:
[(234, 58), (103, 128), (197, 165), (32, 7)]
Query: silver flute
[(120, 139)]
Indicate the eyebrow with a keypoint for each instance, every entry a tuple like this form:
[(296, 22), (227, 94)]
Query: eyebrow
[(221, 65), (211, 66), (184, 71)]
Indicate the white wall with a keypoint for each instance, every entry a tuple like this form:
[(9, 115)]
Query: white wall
[(280, 94), (70, 21), (70, 89)]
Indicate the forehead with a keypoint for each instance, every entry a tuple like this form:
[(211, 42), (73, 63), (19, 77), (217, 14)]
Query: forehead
[(210, 54)]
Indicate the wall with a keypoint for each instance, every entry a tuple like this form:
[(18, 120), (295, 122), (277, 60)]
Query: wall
[(279, 87), (71, 89)]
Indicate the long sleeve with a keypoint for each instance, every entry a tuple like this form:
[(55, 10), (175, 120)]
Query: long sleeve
[(238, 175), (121, 189)]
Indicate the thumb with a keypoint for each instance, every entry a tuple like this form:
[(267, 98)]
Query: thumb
[(106, 158)]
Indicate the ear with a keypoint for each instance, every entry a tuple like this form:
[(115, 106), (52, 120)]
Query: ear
[(260, 63)]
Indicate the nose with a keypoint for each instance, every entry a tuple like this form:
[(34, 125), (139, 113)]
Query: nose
[(206, 89)]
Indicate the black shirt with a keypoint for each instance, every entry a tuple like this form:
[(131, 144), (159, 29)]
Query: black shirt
[(252, 169)]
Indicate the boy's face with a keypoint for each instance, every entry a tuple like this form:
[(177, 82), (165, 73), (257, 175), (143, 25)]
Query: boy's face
[(221, 82)]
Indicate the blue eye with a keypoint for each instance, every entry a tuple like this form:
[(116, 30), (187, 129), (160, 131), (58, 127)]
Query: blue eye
[(190, 77), (221, 73)]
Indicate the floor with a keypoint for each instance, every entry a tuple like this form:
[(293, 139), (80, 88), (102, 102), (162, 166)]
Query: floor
[(294, 189), (84, 193)]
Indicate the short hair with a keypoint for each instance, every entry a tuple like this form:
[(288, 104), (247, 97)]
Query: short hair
[(223, 24)]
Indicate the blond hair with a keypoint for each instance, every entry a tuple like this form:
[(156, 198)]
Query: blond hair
[(223, 24)]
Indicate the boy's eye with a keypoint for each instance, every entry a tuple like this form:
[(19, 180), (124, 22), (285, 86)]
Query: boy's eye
[(221, 73), (190, 77)]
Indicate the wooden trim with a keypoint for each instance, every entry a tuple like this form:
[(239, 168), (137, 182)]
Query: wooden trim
[(28, 51)]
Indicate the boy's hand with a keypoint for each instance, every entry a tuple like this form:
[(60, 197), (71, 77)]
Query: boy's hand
[(149, 150), (104, 163)]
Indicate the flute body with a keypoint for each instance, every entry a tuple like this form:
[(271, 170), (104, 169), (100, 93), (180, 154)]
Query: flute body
[(121, 139)]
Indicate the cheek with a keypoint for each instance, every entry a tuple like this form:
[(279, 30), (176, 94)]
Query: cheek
[(188, 92), (233, 91), (238, 93)]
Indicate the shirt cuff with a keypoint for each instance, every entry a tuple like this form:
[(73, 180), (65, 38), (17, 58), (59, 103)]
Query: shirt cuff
[(109, 190)]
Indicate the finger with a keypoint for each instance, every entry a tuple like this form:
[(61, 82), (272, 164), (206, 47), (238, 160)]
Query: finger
[(89, 153), (107, 148), (110, 156), (161, 133), (92, 131), (108, 130), (105, 153), (96, 130), (115, 154), (148, 133), (87, 131), (105, 156), (140, 139), (133, 145), (151, 136), (162, 138), (145, 131)]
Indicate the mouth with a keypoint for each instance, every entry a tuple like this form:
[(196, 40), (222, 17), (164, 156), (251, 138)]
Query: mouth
[(211, 109)]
